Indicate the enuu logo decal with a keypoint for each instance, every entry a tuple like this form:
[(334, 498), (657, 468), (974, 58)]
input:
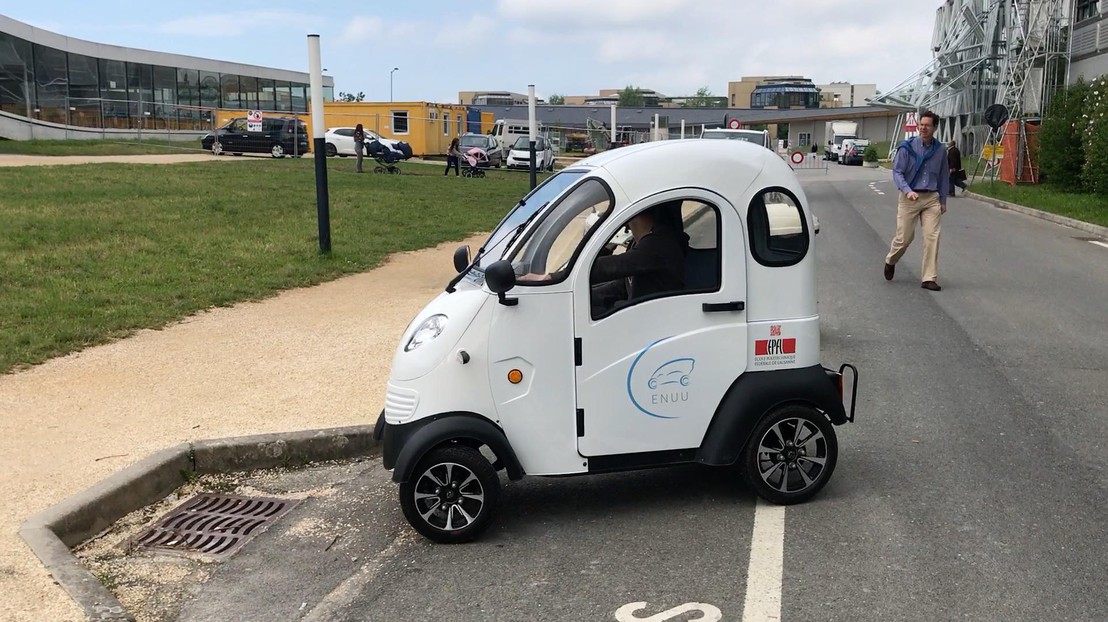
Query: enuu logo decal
[(666, 384)]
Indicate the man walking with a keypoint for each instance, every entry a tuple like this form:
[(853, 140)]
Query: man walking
[(921, 175)]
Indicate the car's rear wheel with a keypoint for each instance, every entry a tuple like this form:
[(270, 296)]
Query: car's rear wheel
[(217, 148), (331, 150), (791, 454), (452, 494), (277, 151)]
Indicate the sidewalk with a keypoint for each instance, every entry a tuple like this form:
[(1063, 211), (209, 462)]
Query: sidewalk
[(309, 358)]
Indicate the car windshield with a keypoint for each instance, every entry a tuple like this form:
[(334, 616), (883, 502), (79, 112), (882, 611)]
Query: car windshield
[(472, 141), (523, 142), (497, 244)]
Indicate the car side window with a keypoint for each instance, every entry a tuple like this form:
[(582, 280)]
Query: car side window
[(346, 131), (238, 125), (685, 236), (779, 233)]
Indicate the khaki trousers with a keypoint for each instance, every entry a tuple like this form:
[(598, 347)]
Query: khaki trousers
[(926, 210)]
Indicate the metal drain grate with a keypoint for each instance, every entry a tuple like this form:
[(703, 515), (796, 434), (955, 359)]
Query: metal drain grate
[(213, 525)]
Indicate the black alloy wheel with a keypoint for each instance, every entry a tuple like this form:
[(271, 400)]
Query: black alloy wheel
[(452, 494), (791, 454)]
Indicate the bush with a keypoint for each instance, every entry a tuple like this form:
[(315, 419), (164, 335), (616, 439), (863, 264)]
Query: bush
[(870, 154), (1095, 122), (1061, 148)]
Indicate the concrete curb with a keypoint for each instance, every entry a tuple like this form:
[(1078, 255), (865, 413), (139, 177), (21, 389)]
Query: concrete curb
[(51, 532), (1081, 225)]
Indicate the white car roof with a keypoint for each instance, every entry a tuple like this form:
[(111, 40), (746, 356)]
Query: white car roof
[(734, 169)]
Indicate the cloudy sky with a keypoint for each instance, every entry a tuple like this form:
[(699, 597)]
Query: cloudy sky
[(568, 47)]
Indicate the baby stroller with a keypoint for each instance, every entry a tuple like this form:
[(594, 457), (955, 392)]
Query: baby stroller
[(387, 153), (475, 158)]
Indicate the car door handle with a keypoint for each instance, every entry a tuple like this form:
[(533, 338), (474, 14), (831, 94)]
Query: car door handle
[(715, 307)]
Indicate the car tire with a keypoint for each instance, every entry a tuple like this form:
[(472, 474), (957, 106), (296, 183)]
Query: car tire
[(791, 454), (331, 150), (277, 150), (452, 494), (217, 148)]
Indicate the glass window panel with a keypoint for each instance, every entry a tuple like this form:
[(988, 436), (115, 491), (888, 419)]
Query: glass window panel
[(140, 92), (113, 93), (284, 96), (188, 99), (51, 84), (17, 76), (299, 97), (165, 96), (209, 89), (84, 91), (266, 96), (229, 84), (249, 87)]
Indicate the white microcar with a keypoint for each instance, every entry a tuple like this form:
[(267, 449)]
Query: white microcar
[(518, 367)]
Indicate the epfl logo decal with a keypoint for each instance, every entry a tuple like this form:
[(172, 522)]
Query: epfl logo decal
[(666, 385)]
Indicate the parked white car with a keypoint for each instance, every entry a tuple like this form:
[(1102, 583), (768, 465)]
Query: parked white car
[(340, 141), (519, 156)]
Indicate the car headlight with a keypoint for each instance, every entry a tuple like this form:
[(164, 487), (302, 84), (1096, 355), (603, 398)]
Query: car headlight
[(430, 328)]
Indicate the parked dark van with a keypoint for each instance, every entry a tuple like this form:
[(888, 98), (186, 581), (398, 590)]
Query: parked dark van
[(280, 136)]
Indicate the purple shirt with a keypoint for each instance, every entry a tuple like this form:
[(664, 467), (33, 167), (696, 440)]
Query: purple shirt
[(934, 176)]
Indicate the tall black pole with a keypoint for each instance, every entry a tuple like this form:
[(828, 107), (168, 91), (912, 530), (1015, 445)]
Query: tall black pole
[(319, 148), (531, 130)]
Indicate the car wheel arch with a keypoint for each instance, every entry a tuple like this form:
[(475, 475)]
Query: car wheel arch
[(469, 429)]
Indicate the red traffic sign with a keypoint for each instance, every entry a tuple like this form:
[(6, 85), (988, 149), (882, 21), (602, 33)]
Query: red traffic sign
[(797, 157), (734, 124)]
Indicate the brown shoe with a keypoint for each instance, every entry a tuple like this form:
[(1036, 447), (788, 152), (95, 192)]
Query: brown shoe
[(890, 270), (931, 285)]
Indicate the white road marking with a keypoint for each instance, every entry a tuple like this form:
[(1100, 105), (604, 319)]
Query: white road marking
[(763, 576), (1099, 243), (710, 613)]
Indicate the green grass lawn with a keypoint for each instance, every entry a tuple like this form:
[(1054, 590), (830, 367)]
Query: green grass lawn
[(91, 253), (1087, 207)]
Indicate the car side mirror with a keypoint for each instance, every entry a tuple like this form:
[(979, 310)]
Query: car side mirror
[(461, 257), (500, 278)]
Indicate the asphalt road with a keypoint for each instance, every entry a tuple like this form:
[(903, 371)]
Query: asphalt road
[(972, 487)]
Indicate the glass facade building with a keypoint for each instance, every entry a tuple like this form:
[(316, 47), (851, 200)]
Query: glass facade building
[(45, 77)]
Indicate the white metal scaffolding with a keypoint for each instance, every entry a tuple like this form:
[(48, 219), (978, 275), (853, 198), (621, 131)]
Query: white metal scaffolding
[(1010, 52)]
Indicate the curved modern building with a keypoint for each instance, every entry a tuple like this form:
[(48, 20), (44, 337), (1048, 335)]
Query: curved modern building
[(53, 86)]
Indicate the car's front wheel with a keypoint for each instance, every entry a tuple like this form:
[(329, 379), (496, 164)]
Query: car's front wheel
[(452, 494), (217, 148), (791, 454), (331, 150), (277, 151)]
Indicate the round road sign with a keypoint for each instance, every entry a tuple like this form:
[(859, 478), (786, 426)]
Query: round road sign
[(797, 157), (734, 124)]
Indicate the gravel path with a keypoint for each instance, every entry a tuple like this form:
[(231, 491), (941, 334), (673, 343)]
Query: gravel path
[(309, 358)]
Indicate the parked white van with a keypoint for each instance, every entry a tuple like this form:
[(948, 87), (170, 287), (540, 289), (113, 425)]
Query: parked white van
[(507, 131)]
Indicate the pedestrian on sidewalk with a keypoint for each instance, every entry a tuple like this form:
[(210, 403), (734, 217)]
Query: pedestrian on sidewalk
[(957, 173), (359, 145), (920, 172), (453, 156)]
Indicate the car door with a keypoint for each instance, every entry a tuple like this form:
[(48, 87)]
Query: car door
[(233, 135), (651, 374)]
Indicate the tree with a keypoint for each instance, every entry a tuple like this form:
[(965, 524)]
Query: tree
[(556, 100), (702, 99), (631, 96), (350, 97)]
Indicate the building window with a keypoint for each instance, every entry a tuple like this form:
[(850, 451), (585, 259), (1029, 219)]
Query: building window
[(51, 84), (399, 121), (805, 139), (84, 91), (1084, 9), (445, 124)]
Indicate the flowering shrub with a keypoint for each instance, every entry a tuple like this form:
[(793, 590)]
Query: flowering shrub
[(1061, 139), (1095, 129)]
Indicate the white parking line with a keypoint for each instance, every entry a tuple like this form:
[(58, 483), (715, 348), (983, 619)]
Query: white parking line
[(763, 576), (1099, 243)]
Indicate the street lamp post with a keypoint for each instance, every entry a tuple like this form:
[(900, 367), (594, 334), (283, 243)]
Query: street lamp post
[(394, 70)]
